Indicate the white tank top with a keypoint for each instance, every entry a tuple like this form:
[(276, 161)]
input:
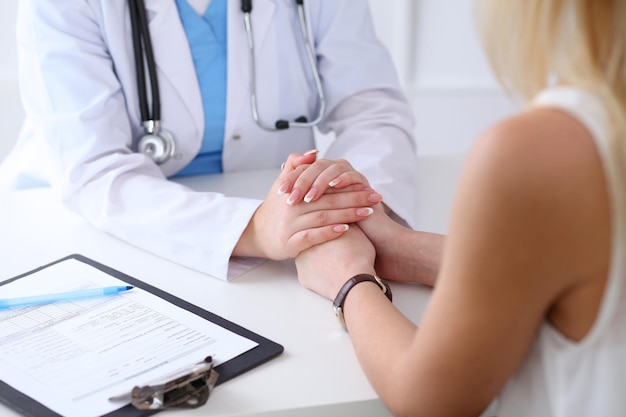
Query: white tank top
[(559, 377)]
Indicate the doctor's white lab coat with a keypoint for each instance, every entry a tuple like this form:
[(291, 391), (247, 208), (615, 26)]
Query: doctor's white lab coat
[(77, 78)]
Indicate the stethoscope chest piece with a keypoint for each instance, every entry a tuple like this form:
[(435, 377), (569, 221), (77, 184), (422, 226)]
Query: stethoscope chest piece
[(158, 146)]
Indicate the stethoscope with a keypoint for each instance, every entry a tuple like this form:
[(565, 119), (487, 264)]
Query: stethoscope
[(158, 143)]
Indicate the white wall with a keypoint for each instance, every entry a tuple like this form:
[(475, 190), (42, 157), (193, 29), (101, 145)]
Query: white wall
[(442, 69), (433, 44), (11, 113)]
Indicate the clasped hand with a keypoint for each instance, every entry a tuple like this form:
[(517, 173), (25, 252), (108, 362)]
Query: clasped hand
[(369, 246), (311, 202), (325, 266)]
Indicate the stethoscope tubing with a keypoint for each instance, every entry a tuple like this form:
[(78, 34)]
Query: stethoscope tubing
[(142, 45), (312, 63), (246, 8), (159, 144)]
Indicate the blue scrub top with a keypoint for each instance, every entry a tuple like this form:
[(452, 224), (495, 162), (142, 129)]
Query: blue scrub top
[(207, 40)]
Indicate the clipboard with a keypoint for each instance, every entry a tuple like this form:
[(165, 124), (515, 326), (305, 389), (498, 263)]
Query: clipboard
[(263, 352)]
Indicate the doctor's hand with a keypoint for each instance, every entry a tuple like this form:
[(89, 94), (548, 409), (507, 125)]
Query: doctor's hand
[(326, 267), (319, 177), (280, 231)]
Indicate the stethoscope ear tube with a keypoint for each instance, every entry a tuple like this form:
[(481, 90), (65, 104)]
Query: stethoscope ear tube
[(147, 44), (142, 46), (139, 65)]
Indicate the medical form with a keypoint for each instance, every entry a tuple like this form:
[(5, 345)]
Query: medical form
[(72, 356)]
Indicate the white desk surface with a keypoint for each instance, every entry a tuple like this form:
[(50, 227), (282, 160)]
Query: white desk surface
[(317, 374)]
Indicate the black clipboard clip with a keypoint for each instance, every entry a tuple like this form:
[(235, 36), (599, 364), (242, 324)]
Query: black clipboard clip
[(190, 390)]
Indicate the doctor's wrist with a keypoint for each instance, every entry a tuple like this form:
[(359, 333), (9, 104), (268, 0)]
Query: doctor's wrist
[(249, 242)]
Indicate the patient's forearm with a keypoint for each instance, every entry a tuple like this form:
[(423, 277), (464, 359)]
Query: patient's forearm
[(410, 256)]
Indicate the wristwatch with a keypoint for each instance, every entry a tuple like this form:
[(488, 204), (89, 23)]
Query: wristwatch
[(343, 292)]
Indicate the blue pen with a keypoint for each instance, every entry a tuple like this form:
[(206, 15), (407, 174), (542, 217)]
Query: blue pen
[(63, 296)]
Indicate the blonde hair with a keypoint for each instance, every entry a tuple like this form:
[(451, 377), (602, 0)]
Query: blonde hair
[(532, 44)]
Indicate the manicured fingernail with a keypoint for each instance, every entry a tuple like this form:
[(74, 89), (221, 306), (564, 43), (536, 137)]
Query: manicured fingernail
[(334, 182), (312, 151), (295, 194), (310, 196), (282, 166), (341, 228), (374, 198), (283, 188), (366, 211)]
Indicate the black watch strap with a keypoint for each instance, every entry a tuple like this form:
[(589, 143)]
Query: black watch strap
[(345, 289)]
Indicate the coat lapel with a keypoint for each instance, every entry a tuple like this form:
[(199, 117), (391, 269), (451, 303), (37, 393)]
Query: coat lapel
[(173, 56)]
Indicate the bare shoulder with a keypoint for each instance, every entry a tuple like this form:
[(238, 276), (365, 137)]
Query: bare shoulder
[(534, 148), (539, 175)]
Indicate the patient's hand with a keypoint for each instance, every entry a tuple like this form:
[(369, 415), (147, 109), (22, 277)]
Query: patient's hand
[(403, 254), (325, 268)]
